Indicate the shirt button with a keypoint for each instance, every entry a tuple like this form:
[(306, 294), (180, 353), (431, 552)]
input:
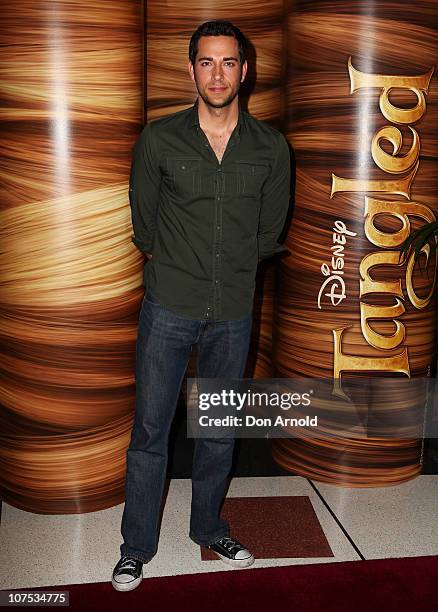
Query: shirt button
[(217, 255), (218, 198), (216, 282), (218, 227)]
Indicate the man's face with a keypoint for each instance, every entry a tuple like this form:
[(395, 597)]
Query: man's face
[(217, 71)]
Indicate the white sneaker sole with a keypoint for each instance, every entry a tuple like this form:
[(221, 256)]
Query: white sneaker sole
[(127, 586), (235, 562)]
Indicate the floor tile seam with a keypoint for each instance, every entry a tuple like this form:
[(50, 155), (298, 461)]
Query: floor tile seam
[(336, 519)]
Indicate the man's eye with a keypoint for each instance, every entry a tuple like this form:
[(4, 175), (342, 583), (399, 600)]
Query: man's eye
[(230, 64), (205, 63)]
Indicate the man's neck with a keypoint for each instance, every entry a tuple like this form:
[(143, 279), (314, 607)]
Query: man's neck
[(218, 120)]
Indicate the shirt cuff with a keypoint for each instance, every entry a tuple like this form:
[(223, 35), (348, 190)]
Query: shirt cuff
[(144, 246)]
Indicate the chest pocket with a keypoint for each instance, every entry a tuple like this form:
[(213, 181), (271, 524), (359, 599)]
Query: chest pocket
[(251, 177), (184, 175)]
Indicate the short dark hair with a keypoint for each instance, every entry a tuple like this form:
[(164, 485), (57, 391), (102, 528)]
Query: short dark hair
[(218, 28)]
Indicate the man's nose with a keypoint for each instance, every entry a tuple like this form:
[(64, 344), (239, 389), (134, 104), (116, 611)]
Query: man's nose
[(217, 71)]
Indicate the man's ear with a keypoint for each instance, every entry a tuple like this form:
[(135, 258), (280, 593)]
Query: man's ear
[(191, 70), (244, 70)]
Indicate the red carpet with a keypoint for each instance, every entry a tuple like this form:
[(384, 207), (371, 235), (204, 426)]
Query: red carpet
[(250, 520), (384, 585)]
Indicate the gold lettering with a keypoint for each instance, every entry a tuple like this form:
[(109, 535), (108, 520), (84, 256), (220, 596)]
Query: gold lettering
[(401, 186), (419, 85), (400, 210), (391, 162), (354, 363), (417, 302), (368, 285), (379, 341)]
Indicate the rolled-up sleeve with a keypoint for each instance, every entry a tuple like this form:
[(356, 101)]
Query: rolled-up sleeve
[(275, 203), (144, 190)]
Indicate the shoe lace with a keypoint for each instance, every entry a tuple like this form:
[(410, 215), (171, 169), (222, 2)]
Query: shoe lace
[(229, 543), (127, 563)]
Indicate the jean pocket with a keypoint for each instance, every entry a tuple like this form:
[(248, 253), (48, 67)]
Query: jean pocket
[(150, 297)]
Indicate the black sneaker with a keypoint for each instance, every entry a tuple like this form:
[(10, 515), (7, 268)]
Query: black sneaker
[(232, 552), (127, 574)]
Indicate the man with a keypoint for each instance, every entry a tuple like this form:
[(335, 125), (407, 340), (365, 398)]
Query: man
[(209, 193)]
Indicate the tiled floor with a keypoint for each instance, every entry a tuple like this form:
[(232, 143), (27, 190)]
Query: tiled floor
[(42, 550), (399, 521)]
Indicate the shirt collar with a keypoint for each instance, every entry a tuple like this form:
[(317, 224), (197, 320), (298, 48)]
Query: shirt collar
[(194, 117)]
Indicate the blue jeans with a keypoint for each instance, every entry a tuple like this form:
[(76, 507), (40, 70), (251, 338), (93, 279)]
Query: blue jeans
[(164, 344)]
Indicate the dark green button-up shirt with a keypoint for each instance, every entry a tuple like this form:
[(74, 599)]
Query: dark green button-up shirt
[(207, 224)]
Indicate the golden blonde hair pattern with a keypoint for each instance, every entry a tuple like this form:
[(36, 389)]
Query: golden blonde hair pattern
[(331, 129), (71, 278), (72, 79), (74, 99)]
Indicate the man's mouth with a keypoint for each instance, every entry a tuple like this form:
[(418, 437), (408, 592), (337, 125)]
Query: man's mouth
[(217, 89)]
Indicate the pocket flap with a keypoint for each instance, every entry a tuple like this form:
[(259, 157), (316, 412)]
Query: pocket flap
[(179, 164), (253, 168)]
